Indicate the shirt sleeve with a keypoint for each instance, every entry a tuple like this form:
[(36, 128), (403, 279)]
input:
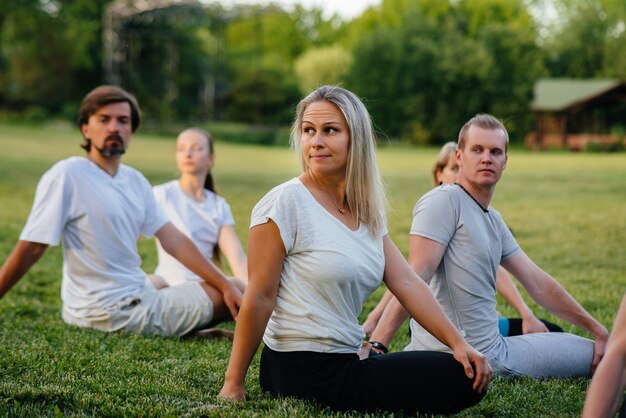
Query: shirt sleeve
[(51, 207), (279, 205), (159, 195), (510, 247), (155, 216), (435, 216), (226, 215)]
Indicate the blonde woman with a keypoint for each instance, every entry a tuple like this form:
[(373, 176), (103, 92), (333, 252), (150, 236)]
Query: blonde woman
[(318, 247)]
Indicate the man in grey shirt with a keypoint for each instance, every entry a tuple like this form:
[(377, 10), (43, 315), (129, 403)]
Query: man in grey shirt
[(457, 242)]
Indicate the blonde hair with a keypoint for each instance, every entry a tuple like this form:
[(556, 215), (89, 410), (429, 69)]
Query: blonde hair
[(484, 121), (443, 158), (365, 192)]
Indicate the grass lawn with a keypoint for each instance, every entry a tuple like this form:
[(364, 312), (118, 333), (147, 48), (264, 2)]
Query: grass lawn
[(568, 211)]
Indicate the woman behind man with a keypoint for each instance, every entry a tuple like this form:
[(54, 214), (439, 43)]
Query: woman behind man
[(445, 171), (194, 207), (318, 247)]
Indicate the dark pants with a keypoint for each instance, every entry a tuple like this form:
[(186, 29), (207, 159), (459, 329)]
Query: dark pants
[(515, 327), (415, 381)]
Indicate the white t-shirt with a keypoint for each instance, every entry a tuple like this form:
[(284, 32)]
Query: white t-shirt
[(329, 271), (200, 221), (100, 218), (465, 280)]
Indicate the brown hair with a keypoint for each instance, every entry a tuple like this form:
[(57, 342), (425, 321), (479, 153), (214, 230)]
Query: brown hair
[(102, 96), (484, 121), (209, 183)]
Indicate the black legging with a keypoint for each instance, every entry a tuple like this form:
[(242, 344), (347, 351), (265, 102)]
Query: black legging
[(515, 326), (415, 381)]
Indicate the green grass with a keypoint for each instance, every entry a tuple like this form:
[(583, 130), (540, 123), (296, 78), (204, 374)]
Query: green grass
[(567, 211)]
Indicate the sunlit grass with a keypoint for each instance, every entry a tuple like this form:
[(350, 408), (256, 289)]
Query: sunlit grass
[(566, 210)]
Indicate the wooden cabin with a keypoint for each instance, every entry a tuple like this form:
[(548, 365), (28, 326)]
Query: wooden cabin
[(573, 113)]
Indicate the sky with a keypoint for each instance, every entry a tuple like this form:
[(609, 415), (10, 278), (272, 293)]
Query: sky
[(347, 9)]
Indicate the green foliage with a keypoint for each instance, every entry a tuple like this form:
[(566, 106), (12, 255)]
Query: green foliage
[(566, 210), (173, 61), (388, 14), (268, 35), (423, 66), (320, 66), (571, 51), (378, 81), (436, 70), (517, 66), (588, 39), (615, 146), (262, 48), (50, 54), (477, 14), (263, 97), (249, 134), (317, 29)]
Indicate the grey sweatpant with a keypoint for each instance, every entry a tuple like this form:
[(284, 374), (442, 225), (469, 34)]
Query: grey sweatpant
[(542, 355)]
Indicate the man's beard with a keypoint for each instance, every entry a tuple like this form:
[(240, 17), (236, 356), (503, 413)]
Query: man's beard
[(113, 148)]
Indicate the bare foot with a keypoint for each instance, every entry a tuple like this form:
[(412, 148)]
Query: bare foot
[(214, 333)]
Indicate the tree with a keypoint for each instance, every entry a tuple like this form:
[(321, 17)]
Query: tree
[(518, 64), (588, 40), (322, 65), (262, 45), (374, 75), (445, 63), (51, 52), (173, 61)]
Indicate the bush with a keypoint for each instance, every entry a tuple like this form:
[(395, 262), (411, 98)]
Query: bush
[(417, 134), (615, 146), (35, 114), (249, 134)]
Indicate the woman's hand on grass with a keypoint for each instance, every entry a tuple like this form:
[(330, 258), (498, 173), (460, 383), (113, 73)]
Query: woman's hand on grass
[(233, 392)]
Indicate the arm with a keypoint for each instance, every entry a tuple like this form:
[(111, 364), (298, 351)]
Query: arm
[(266, 258), (21, 259), (608, 383), (547, 292), (230, 245), (508, 290), (416, 297), (372, 319), (423, 259), (184, 250)]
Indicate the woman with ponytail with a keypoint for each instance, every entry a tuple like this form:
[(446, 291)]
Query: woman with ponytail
[(193, 206)]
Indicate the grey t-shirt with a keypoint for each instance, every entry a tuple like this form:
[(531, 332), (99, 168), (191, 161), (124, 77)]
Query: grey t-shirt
[(465, 280)]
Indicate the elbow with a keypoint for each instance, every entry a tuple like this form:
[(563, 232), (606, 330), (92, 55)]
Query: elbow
[(168, 248), (172, 244), (39, 249)]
